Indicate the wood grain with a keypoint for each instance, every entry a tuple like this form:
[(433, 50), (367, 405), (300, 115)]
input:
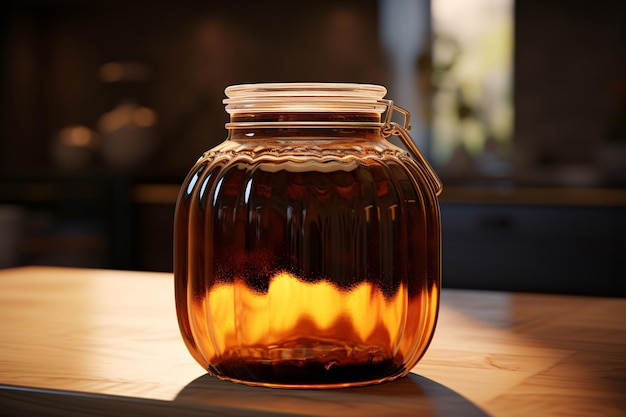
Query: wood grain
[(97, 342)]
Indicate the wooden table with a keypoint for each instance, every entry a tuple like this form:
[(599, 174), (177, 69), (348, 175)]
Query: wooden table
[(98, 342)]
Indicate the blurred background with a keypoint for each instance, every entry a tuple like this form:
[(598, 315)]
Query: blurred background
[(520, 106)]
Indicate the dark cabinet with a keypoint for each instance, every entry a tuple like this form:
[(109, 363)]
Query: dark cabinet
[(560, 249)]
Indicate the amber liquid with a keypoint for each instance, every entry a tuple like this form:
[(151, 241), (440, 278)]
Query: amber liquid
[(307, 271)]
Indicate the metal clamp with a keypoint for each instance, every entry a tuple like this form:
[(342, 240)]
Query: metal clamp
[(391, 128)]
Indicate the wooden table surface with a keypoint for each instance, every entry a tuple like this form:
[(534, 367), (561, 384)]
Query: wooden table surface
[(101, 342)]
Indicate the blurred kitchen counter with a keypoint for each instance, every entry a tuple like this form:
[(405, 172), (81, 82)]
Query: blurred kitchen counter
[(566, 240)]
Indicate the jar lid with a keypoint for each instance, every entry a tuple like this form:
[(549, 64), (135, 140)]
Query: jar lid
[(305, 97)]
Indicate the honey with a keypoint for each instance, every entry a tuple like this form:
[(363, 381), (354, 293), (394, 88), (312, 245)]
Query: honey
[(307, 249)]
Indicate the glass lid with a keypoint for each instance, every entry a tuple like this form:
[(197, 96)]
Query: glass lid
[(275, 97)]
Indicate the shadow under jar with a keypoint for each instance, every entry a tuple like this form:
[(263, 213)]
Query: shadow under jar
[(307, 246)]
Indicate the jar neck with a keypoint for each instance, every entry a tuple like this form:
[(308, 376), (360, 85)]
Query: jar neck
[(305, 126), (295, 117), (306, 134)]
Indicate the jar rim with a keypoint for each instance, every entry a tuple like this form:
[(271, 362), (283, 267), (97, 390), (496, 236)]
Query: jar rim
[(305, 97), (339, 90)]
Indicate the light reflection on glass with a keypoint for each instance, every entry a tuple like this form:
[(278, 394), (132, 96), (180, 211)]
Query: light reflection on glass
[(203, 186), (192, 183), (246, 197), (217, 190)]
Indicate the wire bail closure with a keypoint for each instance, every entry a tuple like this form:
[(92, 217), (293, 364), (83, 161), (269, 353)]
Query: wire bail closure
[(391, 128)]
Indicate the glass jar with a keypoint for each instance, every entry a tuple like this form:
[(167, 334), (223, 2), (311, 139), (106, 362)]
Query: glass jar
[(307, 246)]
